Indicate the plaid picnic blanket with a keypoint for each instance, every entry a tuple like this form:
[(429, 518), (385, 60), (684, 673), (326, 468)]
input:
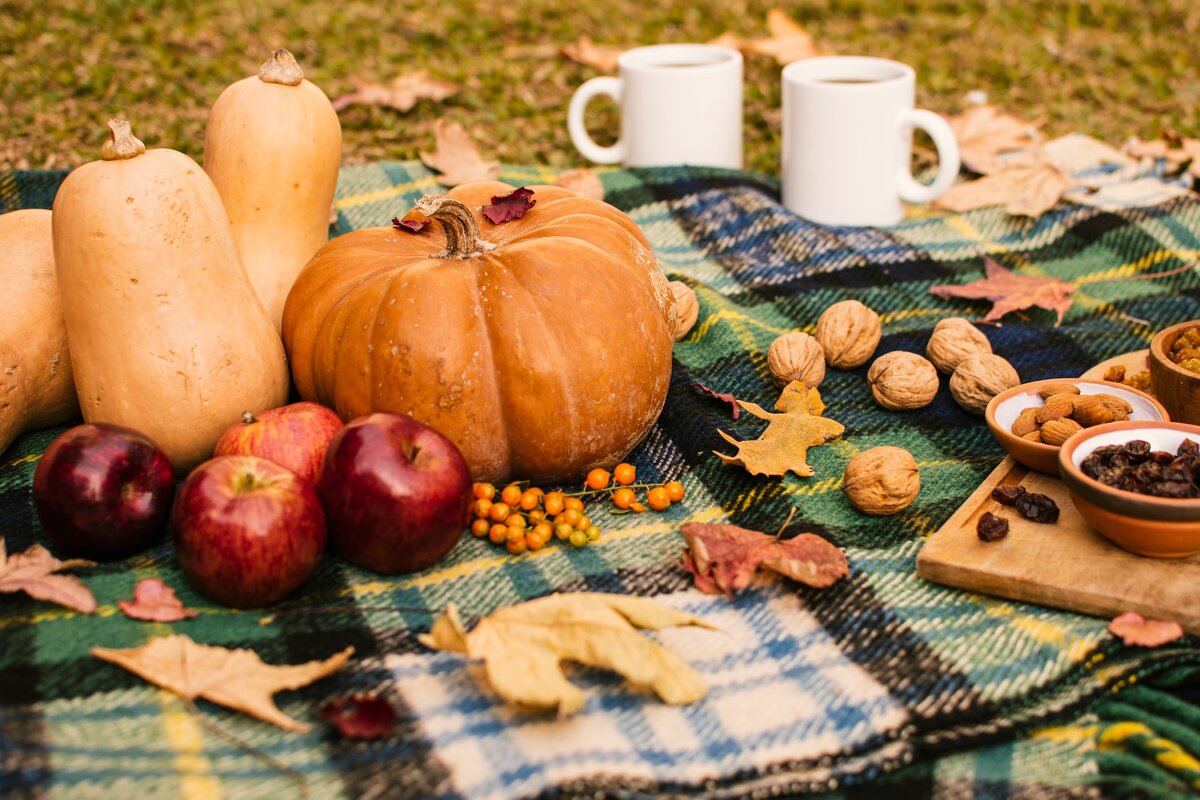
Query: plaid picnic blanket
[(882, 683)]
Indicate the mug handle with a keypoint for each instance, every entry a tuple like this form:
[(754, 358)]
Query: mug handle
[(948, 160), (579, 135)]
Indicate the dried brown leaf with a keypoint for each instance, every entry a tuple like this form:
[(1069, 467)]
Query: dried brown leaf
[(1137, 631), (1024, 191), (590, 54), (360, 716), (986, 135), (582, 181), (724, 558), (457, 157), (401, 94), (788, 42), (154, 601), (1010, 291), (32, 572), (783, 446)]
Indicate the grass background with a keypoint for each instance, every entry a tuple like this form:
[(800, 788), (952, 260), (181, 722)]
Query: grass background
[(1111, 68)]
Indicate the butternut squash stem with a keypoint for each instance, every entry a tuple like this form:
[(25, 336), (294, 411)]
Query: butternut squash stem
[(281, 68), (121, 144), (463, 239)]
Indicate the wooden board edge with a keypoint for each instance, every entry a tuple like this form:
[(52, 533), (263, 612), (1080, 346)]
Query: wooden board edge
[(928, 555)]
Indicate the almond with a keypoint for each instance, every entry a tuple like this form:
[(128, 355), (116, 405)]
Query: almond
[(1090, 409), (1057, 431), (1025, 422), (1120, 408), (1056, 407), (1033, 436), (1057, 388)]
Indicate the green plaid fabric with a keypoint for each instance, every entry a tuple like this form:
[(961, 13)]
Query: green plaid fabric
[(966, 696)]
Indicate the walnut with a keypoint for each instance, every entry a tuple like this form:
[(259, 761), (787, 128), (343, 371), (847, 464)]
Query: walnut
[(1057, 431), (953, 340), (901, 380), (882, 480), (848, 332), (980, 377), (796, 357), (687, 310)]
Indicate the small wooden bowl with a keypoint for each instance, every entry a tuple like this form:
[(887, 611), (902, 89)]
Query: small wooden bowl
[(1176, 387), (1161, 527), (1002, 411)]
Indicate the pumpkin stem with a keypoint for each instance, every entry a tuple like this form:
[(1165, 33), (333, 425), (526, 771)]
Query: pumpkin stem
[(462, 231), (281, 68), (121, 142)]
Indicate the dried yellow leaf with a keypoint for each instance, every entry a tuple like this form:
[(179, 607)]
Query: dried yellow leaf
[(783, 446)]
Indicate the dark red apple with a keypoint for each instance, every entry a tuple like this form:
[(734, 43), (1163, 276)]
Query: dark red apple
[(295, 436), (103, 492), (247, 531), (396, 492)]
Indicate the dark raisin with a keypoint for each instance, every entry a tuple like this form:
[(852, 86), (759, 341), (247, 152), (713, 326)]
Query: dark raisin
[(1007, 494), (1138, 447), (991, 527), (1172, 489), (1109, 450), (1162, 456), (1092, 465), (1189, 447), (1148, 472), (1037, 507)]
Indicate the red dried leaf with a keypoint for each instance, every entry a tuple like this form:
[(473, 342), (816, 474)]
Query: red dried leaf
[(505, 208), (32, 572), (723, 558), (1137, 631), (360, 716), (1010, 291), (413, 222), (724, 397), (154, 601)]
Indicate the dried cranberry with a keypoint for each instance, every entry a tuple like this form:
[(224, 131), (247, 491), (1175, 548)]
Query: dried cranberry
[(1037, 507), (1007, 494), (991, 527)]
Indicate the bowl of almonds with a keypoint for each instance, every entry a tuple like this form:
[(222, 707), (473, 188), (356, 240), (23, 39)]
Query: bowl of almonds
[(1031, 421)]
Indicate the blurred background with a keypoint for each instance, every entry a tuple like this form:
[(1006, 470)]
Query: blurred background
[(1111, 68)]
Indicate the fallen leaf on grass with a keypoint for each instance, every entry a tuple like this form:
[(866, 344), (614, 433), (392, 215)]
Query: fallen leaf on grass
[(401, 94), (456, 157), (522, 647), (360, 716), (1023, 191), (32, 572), (783, 446), (988, 138), (236, 679), (154, 601), (788, 42), (735, 410), (507, 207), (724, 558), (590, 54), (1010, 291), (1137, 631), (582, 181)]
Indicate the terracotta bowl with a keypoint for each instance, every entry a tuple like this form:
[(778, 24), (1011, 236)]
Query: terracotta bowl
[(1162, 527), (1003, 410), (1176, 387)]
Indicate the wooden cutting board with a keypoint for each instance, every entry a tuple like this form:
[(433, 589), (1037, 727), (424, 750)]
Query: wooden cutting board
[(1064, 565)]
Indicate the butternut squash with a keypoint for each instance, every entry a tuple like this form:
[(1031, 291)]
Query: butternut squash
[(272, 147), (166, 333), (36, 390)]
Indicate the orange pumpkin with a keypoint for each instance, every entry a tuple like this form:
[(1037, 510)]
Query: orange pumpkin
[(541, 350)]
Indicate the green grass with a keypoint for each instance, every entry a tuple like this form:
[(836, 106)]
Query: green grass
[(1107, 67)]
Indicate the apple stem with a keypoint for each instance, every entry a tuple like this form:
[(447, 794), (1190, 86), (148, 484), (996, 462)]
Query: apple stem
[(242, 744), (249, 418), (412, 454)]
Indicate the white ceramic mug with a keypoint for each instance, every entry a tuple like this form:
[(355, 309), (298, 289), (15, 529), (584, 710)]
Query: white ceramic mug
[(680, 104), (847, 141)]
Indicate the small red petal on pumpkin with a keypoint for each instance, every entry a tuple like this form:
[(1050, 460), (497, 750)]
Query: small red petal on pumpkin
[(154, 601), (505, 208), (1137, 631), (360, 716), (724, 397), (413, 221)]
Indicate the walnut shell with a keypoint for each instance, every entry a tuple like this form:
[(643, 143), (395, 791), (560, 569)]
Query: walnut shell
[(796, 357), (901, 380), (1057, 431), (882, 480), (953, 340), (848, 332), (980, 377), (687, 309)]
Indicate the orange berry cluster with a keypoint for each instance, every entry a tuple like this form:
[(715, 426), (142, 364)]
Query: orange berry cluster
[(526, 518)]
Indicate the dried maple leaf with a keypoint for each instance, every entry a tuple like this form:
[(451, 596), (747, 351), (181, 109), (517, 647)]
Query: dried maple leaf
[(590, 54), (986, 135), (1136, 630), (154, 601), (32, 572), (735, 410), (456, 156), (783, 446), (1176, 151), (1024, 191), (522, 647), (236, 679), (401, 94), (582, 181), (1010, 291), (1077, 152), (788, 42), (724, 558), (507, 207), (360, 716)]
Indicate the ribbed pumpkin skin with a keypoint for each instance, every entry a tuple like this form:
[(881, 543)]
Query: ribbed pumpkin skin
[(540, 359)]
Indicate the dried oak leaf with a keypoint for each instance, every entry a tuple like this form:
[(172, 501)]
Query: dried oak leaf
[(723, 558), (582, 181), (1137, 631), (523, 647), (401, 94), (1023, 191), (456, 157), (988, 138), (154, 601), (32, 572), (788, 42), (507, 207), (1010, 291), (735, 410), (236, 679), (590, 54), (360, 716), (783, 446)]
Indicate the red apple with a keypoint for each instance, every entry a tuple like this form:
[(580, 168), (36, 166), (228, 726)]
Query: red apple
[(294, 436), (397, 493), (103, 492), (247, 531)]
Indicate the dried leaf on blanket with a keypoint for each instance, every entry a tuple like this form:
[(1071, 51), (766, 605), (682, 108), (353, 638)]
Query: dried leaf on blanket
[(154, 601), (724, 558), (32, 572), (783, 446), (1010, 291), (1024, 191)]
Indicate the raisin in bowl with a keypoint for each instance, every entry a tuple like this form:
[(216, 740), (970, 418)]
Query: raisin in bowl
[(1138, 484)]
